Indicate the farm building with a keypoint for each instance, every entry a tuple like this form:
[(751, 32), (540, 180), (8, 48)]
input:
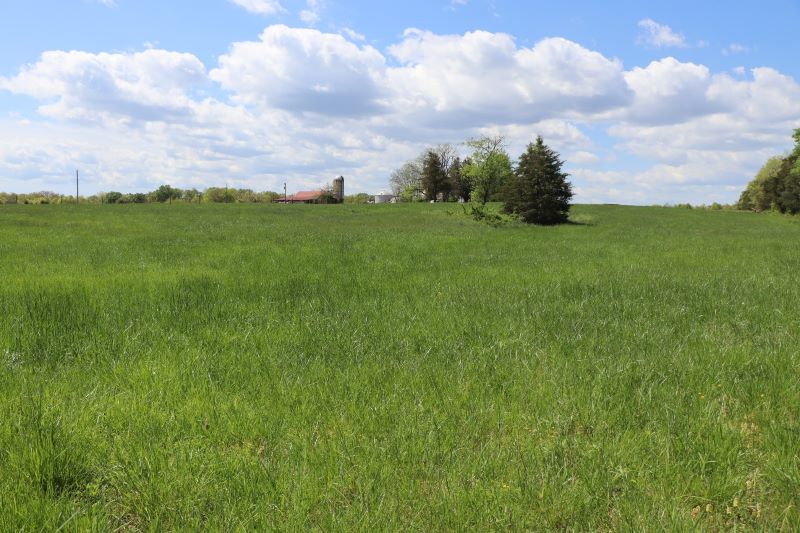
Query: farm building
[(384, 197), (322, 196)]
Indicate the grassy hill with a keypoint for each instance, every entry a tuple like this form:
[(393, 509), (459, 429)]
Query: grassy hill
[(397, 367)]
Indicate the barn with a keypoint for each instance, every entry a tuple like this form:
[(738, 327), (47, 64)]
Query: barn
[(334, 195), (302, 197)]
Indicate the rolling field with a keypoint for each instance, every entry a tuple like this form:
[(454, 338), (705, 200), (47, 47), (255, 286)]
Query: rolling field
[(237, 367)]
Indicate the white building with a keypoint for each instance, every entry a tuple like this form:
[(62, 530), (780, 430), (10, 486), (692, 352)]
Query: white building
[(384, 197)]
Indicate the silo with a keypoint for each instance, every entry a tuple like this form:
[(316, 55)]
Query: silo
[(338, 189)]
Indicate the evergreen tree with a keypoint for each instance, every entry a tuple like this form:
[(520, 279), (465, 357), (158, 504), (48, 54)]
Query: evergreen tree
[(434, 177), (460, 186), (538, 191)]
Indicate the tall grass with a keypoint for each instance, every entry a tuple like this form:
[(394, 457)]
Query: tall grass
[(397, 367)]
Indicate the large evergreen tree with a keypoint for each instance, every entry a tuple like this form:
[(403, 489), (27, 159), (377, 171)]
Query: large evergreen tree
[(434, 176), (538, 191)]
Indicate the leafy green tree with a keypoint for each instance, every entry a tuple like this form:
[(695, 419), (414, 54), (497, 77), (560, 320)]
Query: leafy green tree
[(190, 195), (789, 200), (539, 191), (113, 197), (219, 195), (360, 198), (166, 193), (267, 197), (764, 190), (488, 169), (789, 190), (745, 202)]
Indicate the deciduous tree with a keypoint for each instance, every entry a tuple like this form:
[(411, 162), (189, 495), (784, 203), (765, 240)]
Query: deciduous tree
[(488, 168)]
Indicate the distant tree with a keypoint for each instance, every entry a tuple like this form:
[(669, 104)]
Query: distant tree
[(538, 191), (219, 195), (462, 186), (166, 193), (447, 155), (762, 193), (244, 196), (789, 200), (190, 195), (745, 202), (406, 181), (113, 197), (327, 196), (434, 177), (488, 168), (777, 184), (267, 197), (360, 198), (789, 190)]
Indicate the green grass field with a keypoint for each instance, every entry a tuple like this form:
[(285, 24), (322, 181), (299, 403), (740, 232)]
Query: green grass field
[(292, 368)]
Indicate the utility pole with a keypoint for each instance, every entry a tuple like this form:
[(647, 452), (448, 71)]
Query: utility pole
[(77, 188), (285, 196)]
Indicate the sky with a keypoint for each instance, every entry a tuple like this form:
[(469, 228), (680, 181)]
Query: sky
[(647, 102)]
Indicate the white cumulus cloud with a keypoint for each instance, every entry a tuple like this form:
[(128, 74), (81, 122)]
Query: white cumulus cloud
[(143, 86), (304, 70)]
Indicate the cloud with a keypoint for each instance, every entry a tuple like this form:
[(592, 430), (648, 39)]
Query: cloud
[(735, 48), (427, 78), (353, 35), (660, 35), (261, 7), (302, 105), (142, 86), (304, 70), (444, 78), (583, 158), (668, 91), (312, 13)]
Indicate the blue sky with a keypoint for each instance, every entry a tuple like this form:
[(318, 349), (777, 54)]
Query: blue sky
[(651, 102)]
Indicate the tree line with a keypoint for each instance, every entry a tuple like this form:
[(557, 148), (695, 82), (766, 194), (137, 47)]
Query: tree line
[(534, 188), (164, 194), (777, 185)]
